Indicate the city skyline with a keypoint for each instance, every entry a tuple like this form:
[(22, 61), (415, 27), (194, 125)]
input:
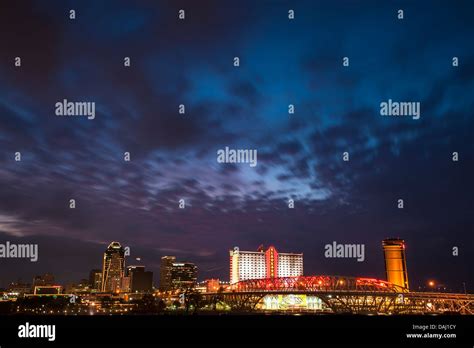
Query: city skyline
[(248, 268), (262, 281), (293, 99), (236, 172)]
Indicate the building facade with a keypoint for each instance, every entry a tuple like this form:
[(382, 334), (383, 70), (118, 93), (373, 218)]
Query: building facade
[(263, 264), (20, 288), (165, 272), (113, 268), (395, 261), (176, 275), (183, 275), (213, 285), (139, 280), (95, 279)]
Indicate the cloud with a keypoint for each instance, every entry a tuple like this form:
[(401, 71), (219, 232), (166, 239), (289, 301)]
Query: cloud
[(174, 156)]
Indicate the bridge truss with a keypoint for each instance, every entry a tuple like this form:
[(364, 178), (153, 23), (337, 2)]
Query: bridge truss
[(344, 295)]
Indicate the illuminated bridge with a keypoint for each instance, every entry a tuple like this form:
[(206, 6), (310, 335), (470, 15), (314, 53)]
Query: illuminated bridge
[(338, 294)]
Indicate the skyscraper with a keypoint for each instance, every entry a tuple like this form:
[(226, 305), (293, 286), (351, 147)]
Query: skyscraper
[(176, 275), (113, 267), (247, 265), (95, 279), (140, 280), (395, 261), (165, 272), (183, 275), (263, 264)]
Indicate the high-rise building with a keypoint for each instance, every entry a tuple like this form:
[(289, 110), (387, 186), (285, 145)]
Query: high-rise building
[(165, 272), (290, 265), (133, 268), (140, 280), (125, 284), (113, 267), (395, 261), (95, 279), (183, 275), (263, 264), (247, 265)]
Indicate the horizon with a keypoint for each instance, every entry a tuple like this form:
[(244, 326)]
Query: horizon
[(327, 161)]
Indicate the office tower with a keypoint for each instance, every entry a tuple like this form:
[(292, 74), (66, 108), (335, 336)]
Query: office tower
[(125, 284), (113, 267), (133, 268), (183, 275), (263, 264), (95, 279), (140, 280), (165, 272), (395, 261)]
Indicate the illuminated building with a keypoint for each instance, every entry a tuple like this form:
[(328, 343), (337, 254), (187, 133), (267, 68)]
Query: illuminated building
[(292, 302), (213, 285), (19, 288), (125, 284), (183, 275), (95, 279), (81, 287), (395, 261), (271, 262), (176, 275), (246, 265), (165, 272), (289, 265), (263, 264), (113, 268), (47, 289), (201, 287)]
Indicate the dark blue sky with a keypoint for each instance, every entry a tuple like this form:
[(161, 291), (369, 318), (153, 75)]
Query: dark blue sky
[(299, 156)]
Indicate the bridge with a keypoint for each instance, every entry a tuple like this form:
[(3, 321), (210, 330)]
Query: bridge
[(340, 294)]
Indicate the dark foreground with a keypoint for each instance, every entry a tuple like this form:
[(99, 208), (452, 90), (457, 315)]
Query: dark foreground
[(243, 329)]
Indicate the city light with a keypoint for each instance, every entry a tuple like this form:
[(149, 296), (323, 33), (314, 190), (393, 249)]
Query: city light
[(130, 289)]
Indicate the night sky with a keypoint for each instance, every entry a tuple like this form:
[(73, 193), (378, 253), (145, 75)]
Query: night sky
[(173, 156)]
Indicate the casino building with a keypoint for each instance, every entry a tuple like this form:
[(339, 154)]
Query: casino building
[(262, 264)]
